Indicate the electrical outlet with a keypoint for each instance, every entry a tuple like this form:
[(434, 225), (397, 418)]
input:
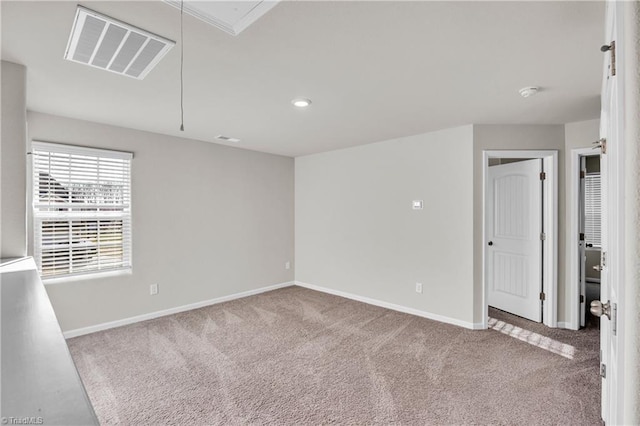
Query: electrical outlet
[(287, 265), (419, 288), (153, 289)]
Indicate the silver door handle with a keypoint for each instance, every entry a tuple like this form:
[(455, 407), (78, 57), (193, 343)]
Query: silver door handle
[(597, 268), (599, 309)]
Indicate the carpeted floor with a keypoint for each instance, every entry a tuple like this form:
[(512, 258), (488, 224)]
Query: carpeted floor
[(295, 356)]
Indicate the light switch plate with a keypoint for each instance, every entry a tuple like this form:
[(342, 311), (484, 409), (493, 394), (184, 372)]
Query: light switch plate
[(417, 204)]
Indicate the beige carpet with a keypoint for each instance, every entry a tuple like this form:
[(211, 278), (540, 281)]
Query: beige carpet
[(295, 356)]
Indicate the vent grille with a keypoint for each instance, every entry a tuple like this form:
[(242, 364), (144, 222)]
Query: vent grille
[(227, 138), (103, 42)]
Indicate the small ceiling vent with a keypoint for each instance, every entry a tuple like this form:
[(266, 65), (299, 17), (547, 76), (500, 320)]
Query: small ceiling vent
[(227, 138), (103, 42)]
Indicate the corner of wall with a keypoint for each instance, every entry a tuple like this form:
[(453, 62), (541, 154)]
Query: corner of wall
[(356, 233), (13, 160)]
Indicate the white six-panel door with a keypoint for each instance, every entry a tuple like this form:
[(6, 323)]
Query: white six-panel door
[(513, 229)]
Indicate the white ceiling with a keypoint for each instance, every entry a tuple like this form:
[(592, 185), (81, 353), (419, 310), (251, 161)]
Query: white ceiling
[(374, 70)]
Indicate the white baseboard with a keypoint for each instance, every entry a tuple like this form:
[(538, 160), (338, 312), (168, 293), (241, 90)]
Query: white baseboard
[(478, 326), (170, 311), (567, 325), (393, 307)]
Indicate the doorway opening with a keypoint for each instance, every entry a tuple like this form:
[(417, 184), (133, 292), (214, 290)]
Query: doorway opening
[(585, 236), (520, 237)]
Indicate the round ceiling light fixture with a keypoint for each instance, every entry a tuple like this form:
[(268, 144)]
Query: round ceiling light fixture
[(525, 92), (301, 102)]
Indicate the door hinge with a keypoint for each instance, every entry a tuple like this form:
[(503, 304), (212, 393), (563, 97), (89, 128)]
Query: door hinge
[(611, 48), (613, 57), (603, 371), (543, 296), (582, 298), (582, 174), (582, 236), (604, 259), (614, 318), (602, 144), (543, 236), (543, 175)]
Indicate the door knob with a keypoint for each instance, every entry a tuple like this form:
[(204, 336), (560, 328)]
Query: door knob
[(599, 309), (490, 243), (597, 268)]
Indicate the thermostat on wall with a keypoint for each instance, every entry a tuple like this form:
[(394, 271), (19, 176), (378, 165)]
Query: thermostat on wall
[(417, 204)]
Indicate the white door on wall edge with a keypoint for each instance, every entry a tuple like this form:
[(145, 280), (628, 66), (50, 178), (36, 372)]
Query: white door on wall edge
[(513, 233), (611, 275)]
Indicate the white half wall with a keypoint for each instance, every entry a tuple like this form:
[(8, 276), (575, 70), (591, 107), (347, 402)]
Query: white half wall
[(356, 231), (209, 221), (13, 160)]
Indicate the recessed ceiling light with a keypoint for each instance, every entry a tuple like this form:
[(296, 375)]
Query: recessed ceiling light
[(525, 92), (301, 102)]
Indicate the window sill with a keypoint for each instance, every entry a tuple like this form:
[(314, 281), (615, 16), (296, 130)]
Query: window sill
[(86, 277)]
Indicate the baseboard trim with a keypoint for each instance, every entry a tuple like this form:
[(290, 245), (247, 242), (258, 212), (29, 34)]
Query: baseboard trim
[(566, 325), (144, 317), (392, 306)]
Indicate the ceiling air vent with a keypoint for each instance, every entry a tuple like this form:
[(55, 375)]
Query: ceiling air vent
[(227, 138), (103, 42)]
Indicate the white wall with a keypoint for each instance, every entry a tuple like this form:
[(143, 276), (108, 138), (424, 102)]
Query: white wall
[(581, 134), (208, 221), (356, 231), (13, 160)]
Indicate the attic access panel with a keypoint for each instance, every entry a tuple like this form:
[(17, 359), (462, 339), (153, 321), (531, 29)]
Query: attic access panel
[(106, 43), (232, 17)]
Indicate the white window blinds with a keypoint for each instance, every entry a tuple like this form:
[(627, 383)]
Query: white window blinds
[(592, 209), (81, 209)]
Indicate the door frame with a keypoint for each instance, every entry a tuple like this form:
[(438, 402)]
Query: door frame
[(574, 224), (550, 218)]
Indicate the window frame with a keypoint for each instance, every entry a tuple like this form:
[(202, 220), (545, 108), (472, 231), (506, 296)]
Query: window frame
[(123, 211), (589, 219)]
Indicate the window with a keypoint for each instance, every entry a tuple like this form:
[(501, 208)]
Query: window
[(592, 205), (81, 209)]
